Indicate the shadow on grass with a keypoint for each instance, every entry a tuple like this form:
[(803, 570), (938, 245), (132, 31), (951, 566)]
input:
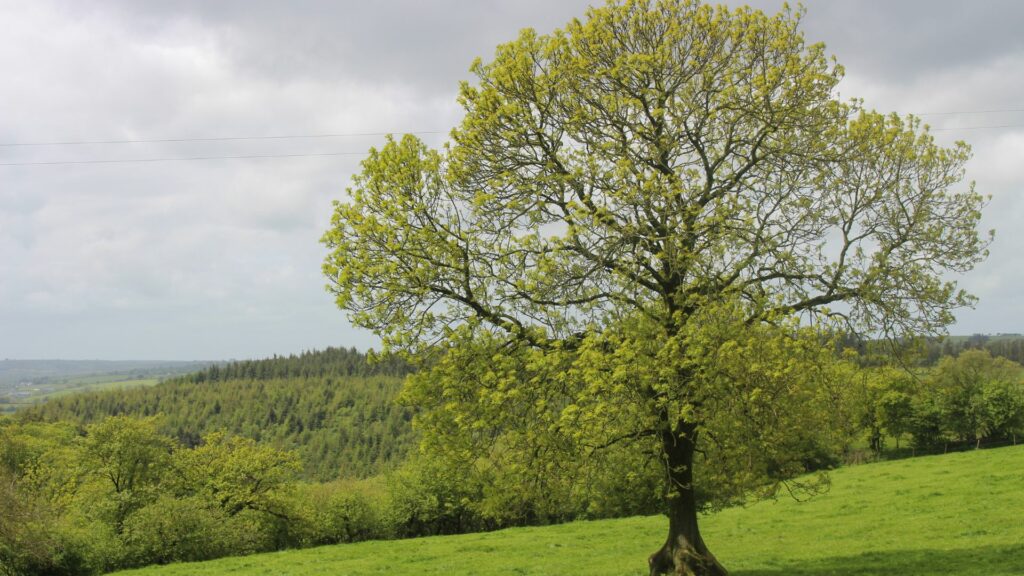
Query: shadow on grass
[(981, 560)]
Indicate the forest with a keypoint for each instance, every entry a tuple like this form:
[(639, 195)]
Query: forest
[(332, 407)]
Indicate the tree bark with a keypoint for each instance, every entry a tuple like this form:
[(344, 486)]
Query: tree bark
[(684, 552)]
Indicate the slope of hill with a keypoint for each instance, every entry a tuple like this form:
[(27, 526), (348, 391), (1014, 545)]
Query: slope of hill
[(929, 516), (333, 407)]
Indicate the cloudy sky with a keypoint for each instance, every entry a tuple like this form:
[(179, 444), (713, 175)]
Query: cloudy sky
[(219, 258)]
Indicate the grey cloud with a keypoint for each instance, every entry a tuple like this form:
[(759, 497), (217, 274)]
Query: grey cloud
[(897, 40), (219, 258), (425, 46)]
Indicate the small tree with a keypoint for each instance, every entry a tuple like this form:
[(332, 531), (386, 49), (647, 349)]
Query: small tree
[(640, 222), (236, 474), (129, 455), (883, 402), (926, 426), (896, 411), (1004, 402)]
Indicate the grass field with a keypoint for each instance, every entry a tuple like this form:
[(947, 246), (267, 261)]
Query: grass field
[(74, 386), (104, 384), (958, 514), (27, 382)]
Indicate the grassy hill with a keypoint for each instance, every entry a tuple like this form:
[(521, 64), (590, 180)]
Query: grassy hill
[(938, 515)]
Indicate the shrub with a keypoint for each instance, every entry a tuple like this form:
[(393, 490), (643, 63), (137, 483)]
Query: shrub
[(176, 530), (337, 512)]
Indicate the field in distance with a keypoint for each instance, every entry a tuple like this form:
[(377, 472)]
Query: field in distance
[(936, 515), (27, 382)]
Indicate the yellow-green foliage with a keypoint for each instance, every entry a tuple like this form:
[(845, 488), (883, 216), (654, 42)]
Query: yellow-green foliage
[(557, 426), (643, 225), (118, 493)]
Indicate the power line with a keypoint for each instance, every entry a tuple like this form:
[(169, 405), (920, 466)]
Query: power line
[(968, 112), (259, 156), (358, 134), (144, 160), (212, 139), (977, 127)]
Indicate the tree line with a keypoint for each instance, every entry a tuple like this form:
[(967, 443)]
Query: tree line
[(1009, 346), (964, 401), (330, 362), (928, 352), (341, 415)]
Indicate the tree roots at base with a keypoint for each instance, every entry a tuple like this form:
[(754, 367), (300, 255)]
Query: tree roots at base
[(679, 558)]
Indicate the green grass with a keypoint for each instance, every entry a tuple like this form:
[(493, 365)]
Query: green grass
[(102, 384), (958, 514), (74, 386)]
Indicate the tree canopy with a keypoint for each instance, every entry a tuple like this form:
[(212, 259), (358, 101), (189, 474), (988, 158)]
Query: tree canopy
[(643, 225)]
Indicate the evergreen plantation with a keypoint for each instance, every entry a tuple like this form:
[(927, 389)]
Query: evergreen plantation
[(333, 408)]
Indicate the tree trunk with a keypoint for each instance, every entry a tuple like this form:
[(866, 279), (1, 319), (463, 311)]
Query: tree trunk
[(684, 552), (875, 441)]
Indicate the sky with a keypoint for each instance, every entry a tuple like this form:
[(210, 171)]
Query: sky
[(209, 259)]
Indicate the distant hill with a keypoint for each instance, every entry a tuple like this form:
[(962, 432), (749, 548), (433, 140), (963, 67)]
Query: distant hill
[(14, 372), (334, 407), (28, 382)]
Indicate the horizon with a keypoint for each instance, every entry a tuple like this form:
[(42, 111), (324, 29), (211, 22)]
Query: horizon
[(356, 348)]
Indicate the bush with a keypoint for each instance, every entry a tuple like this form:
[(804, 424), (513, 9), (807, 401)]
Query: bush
[(36, 539), (337, 512), (176, 530), (426, 498)]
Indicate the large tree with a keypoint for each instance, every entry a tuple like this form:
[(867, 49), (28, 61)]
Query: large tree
[(636, 232)]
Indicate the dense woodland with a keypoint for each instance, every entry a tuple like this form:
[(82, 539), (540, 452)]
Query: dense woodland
[(333, 407)]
